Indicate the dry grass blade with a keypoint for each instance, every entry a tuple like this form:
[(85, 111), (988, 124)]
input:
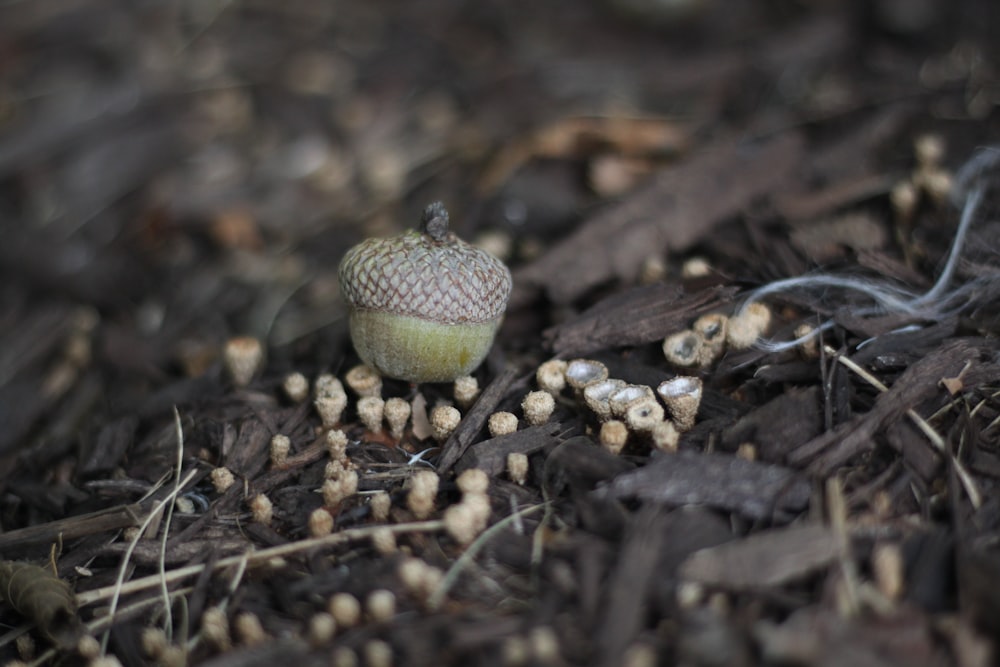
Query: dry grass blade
[(257, 557), (118, 588)]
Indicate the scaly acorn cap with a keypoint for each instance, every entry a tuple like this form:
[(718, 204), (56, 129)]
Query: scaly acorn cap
[(425, 305)]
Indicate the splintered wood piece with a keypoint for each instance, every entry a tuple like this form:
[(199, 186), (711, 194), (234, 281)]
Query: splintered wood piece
[(824, 240), (633, 317), (474, 420), (763, 560), (917, 384), (251, 451), (677, 209), (755, 490), (915, 449), (113, 518), (22, 397), (490, 455), (819, 635), (978, 572), (780, 425), (581, 464), (907, 345), (109, 448), (577, 136), (147, 553), (797, 205)]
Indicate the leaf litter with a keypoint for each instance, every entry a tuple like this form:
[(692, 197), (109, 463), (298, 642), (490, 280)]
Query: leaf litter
[(831, 501)]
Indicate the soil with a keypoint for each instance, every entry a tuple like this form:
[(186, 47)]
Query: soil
[(179, 180)]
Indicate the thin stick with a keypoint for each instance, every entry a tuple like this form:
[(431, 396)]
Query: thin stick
[(463, 561), (256, 557), (967, 482), (982, 404), (992, 424), (100, 622)]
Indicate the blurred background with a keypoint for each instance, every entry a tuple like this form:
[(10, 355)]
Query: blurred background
[(174, 173)]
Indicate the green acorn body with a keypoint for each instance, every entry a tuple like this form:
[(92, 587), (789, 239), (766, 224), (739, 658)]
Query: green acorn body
[(425, 305)]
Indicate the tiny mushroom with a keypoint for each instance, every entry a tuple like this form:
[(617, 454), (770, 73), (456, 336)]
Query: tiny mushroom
[(625, 397), (747, 325), (614, 436), (466, 391), (682, 396), (243, 357), (551, 376), (371, 410), (397, 414), (280, 447), (683, 348), (809, 345), (665, 436), (712, 329), (597, 396), (444, 421), (643, 415), (502, 423), (364, 381), (582, 372), (296, 387), (517, 467), (422, 493), (538, 407)]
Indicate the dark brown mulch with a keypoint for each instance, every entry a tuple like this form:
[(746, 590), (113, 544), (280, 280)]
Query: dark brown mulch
[(174, 175)]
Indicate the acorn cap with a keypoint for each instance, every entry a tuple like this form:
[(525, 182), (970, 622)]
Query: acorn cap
[(430, 274), (425, 305)]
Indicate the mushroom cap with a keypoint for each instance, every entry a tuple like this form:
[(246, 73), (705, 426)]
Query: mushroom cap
[(444, 281), (582, 372)]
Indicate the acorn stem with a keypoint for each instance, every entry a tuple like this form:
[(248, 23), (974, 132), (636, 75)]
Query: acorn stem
[(434, 221)]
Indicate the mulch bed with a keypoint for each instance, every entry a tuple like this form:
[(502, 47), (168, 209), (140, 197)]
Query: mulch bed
[(174, 176)]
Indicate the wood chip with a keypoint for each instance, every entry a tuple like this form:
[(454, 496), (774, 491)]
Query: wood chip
[(630, 584), (755, 490), (677, 209), (475, 419), (490, 455), (763, 560), (823, 240), (777, 427), (633, 317), (917, 384)]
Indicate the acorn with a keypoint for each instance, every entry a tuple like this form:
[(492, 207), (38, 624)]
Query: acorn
[(425, 305)]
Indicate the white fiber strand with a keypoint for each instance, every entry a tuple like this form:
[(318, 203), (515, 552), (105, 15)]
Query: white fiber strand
[(939, 301)]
